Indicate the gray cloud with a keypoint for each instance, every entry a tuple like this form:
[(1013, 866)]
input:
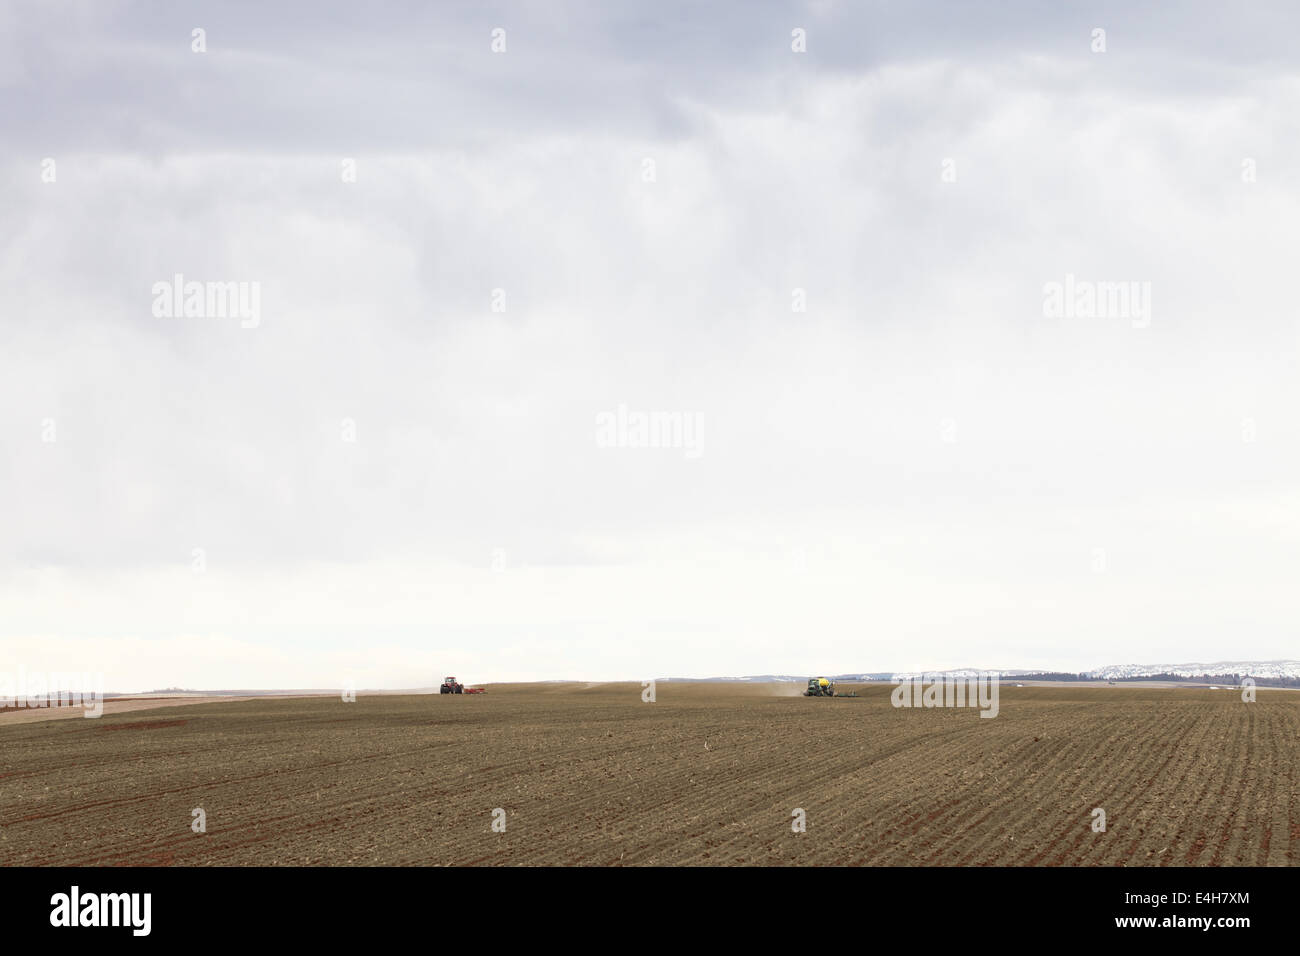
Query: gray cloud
[(921, 433)]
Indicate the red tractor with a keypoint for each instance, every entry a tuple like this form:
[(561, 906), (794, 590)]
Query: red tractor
[(451, 686)]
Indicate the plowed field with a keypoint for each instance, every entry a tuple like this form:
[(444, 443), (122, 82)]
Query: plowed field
[(707, 774)]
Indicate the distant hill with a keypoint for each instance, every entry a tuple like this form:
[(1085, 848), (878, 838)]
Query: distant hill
[(1279, 670), (1264, 673)]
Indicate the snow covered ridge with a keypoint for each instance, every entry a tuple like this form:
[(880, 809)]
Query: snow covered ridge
[(1267, 670), (1270, 669)]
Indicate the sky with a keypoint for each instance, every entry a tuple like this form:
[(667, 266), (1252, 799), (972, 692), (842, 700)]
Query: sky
[(968, 333)]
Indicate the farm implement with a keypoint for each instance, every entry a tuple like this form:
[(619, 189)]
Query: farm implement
[(452, 686)]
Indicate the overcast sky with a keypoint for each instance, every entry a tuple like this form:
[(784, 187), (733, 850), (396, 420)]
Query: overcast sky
[(834, 265)]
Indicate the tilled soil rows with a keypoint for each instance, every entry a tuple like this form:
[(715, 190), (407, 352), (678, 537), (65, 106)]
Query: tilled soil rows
[(706, 774)]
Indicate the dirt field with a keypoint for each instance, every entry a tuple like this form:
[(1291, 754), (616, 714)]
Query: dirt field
[(708, 774)]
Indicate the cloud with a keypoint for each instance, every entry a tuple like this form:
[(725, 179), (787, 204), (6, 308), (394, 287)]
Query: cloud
[(973, 451)]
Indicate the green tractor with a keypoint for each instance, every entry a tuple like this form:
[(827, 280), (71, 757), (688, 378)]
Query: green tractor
[(824, 687), (820, 687)]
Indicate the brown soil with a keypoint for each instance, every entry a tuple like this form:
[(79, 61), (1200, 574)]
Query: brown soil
[(709, 774)]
